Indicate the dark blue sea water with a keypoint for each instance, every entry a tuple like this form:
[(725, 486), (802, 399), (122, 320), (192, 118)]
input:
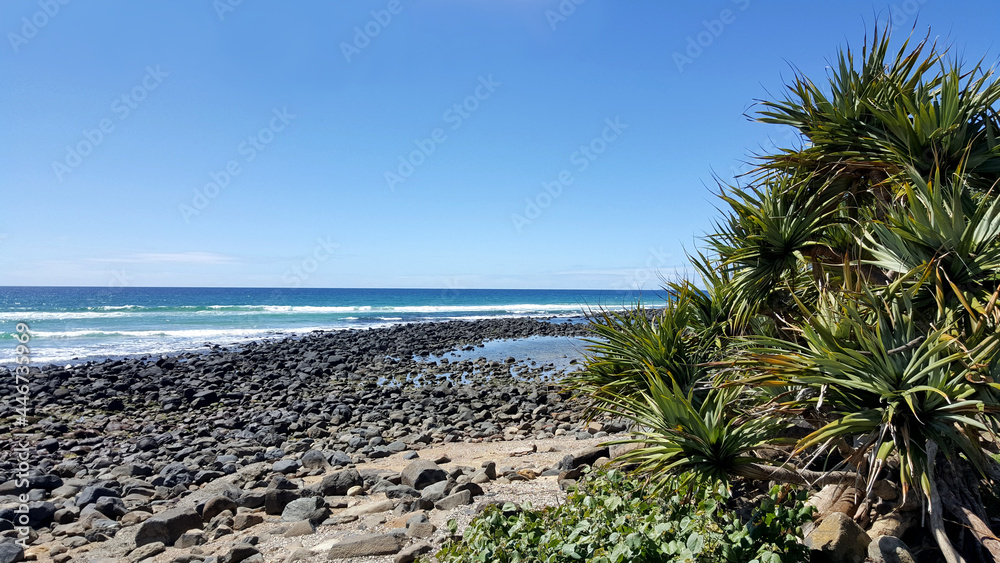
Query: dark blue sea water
[(70, 324)]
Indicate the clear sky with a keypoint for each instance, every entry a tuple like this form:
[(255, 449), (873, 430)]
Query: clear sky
[(402, 143)]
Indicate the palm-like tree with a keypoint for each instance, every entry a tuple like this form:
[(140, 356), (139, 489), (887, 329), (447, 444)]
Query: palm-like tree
[(945, 233), (852, 285), (634, 347), (886, 383), (893, 111), (779, 240)]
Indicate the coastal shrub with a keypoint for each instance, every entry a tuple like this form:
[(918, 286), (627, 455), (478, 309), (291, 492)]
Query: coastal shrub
[(848, 307), (611, 518)]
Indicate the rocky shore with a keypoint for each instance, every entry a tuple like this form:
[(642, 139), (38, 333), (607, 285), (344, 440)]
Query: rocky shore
[(186, 458)]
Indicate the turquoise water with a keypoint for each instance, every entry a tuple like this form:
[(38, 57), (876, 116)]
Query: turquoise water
[(537, 351), (71, 324)]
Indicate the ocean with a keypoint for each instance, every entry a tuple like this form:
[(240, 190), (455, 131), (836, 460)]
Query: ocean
[(73, 324)]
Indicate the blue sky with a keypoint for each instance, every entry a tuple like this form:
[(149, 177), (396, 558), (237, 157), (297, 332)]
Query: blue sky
[(403, 143)]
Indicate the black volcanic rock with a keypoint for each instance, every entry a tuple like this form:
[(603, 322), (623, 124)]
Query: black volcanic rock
[(336, 397)]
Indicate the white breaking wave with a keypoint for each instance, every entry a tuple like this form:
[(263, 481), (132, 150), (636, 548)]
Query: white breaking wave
[(135, 311), (60, 315), (192, 334), (102, 344), (430, 309)]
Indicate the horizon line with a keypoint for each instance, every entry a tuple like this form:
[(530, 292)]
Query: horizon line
[(308, 288)]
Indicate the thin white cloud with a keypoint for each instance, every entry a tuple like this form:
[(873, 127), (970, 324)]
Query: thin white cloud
[(595, 272), (171, 258), (665, 270)]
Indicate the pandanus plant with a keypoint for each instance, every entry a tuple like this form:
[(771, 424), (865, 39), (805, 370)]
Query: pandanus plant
[(851, 285)]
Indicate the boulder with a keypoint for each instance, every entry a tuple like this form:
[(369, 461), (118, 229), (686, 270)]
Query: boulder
[(216, 505), (895, 524), (887, 549), (174, 474), (618, 450), (338, 483), (473, 488), (366, 545), (421, 473), (480, 477), (205, 475), (41, 513), (340, 459), (286, 466), (836, 498), (191, 539), (11, 552), (135, 517), (400, 491), (299, 554), (90, 495), (369, 508), (300, 528), (490, 469), (313, 509), (252, 499), (47, 482), (146, 551), (245, 520), (112, 507), (315, 459), (132, 470), (838, 539), (167, 526), (396, 447), (455, 500), (239, 552), (410, 554), (102, 530), (435, 492), (585, 457), (420, 529), (275, 500)]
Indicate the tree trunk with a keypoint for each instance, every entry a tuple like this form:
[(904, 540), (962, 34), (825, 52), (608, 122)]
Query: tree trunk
[(992, 469), (934, 510), (805, 477), (960, 495)]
